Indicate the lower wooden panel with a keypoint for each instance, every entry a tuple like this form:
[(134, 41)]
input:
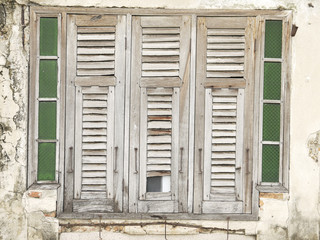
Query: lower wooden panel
[(93, 205), (157, 206), (222, 207)]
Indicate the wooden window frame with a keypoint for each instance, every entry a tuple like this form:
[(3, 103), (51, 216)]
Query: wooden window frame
[(34, 101), (61, 164), (283, 184)]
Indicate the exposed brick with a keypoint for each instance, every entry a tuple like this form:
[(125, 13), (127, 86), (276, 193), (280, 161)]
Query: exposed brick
[(50, 214), (35, 194), (278, 196)]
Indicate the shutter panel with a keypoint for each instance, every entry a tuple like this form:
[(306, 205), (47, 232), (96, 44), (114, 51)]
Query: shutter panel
[(224, 92), (161, 46), (96, 52)]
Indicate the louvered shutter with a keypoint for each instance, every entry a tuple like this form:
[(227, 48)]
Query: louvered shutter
[(160, 83), (95, 90), (224, 115)]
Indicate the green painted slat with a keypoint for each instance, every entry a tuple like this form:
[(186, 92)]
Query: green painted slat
[(273, 39), (48, 72), (271, 122), (270, 163), (272, 81), (46, 161), (47, 120), (48, 36)]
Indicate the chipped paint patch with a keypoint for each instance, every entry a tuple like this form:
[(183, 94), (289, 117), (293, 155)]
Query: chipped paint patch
[(278, 196), (314, 145)]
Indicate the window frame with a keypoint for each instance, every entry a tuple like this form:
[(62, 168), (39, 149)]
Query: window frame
[(61, 164), (283, 184)]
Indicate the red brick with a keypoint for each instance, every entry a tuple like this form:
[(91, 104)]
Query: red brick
[(35, 194)]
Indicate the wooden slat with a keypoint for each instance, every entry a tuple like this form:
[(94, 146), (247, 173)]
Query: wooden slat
[(159, 105), (230, 74), (95, 36), (159, 59), (160, 52), (93, 181), (216, 38), (219, 155), (94, 131), (159, 153), (222, 59), (160, 66), (226, 182), (94, 159), (226, 53), (159, 139), (94, 72), (94, 152), (158, 73), (159, 146), (228, 46), (226, 32), (156, 167), (161, 98), (225, 67), (161, 160), (94, 118), (93, 65), (161, 45), (96, 43), (96, 29), (94, 167), (96, 50), (161, 31), (223, 175), (95, 57), (92, 146), (94, 139), (160, 38)]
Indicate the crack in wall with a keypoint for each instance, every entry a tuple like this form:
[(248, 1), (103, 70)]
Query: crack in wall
[(66, 227)]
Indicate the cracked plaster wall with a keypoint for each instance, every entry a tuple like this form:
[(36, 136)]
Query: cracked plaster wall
[(31, 215)]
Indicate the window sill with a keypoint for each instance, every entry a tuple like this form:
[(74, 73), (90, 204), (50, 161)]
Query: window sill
[(272, 189), (47, 186), (159, 216)]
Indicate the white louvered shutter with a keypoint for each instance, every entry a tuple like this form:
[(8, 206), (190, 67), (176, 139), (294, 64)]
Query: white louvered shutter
[(95, 59), (224, 92), (161, 48)]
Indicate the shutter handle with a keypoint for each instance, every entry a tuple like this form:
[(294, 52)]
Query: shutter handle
[(70, 159), (115, 160), (200, 160), (181, 154), (135, 160)]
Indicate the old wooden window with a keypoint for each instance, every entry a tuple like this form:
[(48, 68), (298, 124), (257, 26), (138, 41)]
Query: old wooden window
[(274, 109), (158, 112), (45, 101)]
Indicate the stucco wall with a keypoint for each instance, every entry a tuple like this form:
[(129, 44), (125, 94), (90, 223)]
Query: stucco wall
[(31, 214)]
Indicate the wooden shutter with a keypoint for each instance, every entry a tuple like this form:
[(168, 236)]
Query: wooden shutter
[(224, 113), (159, 109), (95, 90)]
